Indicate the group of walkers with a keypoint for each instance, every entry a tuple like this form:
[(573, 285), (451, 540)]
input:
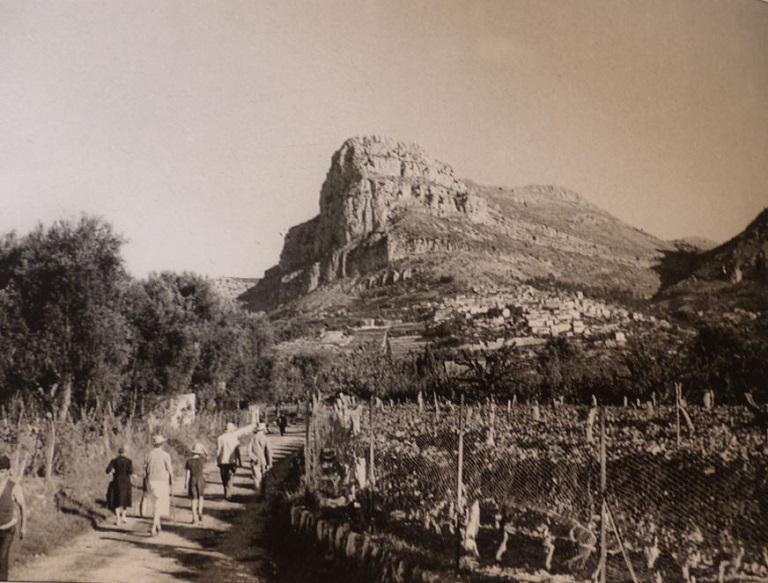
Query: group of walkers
[(157, 486)]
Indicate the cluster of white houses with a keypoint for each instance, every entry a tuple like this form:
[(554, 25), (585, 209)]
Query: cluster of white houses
[(536, 314)]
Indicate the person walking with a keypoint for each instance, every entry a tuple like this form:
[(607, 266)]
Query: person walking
[(282, 423), (119, 491), (227, 453), (158, 472), (194, 480), (13, 511), (260, 454)]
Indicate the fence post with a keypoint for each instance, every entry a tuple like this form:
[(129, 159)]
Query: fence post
[(308, 413), (459, 482), (371, 473), (437, 414), (491, 438), (623, 549), (677, 412), (308, 469), (371, 451), (603, 507)]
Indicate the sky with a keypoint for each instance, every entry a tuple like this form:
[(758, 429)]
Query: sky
[(202, 131)]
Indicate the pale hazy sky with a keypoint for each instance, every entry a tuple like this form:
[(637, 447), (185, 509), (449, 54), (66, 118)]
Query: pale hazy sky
[(202, 130)]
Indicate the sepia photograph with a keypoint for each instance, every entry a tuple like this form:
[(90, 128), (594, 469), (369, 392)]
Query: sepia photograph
[(384, 291)]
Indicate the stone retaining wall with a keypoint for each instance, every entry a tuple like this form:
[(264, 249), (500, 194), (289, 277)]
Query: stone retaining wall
[(362, 551)]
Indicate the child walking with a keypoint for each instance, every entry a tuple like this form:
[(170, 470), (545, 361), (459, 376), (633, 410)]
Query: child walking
[(194, 480)]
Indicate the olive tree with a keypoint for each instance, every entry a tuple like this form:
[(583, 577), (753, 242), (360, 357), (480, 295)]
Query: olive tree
[(62, 290)]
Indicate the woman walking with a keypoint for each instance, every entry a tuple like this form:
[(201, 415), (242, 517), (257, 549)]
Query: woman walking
[(119, 491), (194, 480), (159, 476), (13, 511)]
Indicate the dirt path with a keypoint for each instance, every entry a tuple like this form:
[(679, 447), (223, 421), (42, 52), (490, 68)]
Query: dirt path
[(226, 546)]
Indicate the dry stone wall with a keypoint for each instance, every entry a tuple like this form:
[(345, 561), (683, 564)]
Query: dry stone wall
[(361, 551)]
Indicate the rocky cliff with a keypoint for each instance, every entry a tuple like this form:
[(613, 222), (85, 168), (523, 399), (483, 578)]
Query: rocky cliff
[(371, 184), (388, 211)]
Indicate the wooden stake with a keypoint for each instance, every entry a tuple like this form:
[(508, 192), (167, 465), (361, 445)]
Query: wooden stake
[(621, 544), (371, 452), (603, 506), (307, 449), (371, 475), (677, 412), (459, 483)]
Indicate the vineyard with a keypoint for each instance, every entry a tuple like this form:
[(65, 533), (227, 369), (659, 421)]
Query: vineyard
[(683, 501)]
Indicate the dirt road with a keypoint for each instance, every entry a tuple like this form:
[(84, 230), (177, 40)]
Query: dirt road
[(227, 546)]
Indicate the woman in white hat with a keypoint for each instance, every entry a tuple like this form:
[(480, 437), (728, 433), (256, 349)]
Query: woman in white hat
[(194, 480), (159, 476)]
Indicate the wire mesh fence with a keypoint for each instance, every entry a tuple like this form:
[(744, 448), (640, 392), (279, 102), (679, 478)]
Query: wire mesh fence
[(664, 500)]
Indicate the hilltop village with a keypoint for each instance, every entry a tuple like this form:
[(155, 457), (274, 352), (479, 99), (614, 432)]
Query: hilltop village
[(525, 315), (492, 318)]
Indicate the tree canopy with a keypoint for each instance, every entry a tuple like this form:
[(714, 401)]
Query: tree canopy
[(76, 331)]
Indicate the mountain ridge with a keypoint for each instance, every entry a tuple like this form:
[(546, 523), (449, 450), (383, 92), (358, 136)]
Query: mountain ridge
[(404, 254), (385, 206)]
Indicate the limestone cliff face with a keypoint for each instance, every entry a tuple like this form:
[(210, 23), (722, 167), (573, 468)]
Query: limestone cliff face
[(370, 178), (372, 181)]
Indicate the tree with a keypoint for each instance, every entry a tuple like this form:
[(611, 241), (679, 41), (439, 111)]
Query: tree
[(729, 359), (63, 333), (246, 338), (62, 291), (653, 367), (559, 366), (504, 373), (172, 316), (370, 370), (187, 337), (299, 375)]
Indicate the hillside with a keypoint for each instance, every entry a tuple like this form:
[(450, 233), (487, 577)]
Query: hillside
[(403, 253), (731, 276)]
